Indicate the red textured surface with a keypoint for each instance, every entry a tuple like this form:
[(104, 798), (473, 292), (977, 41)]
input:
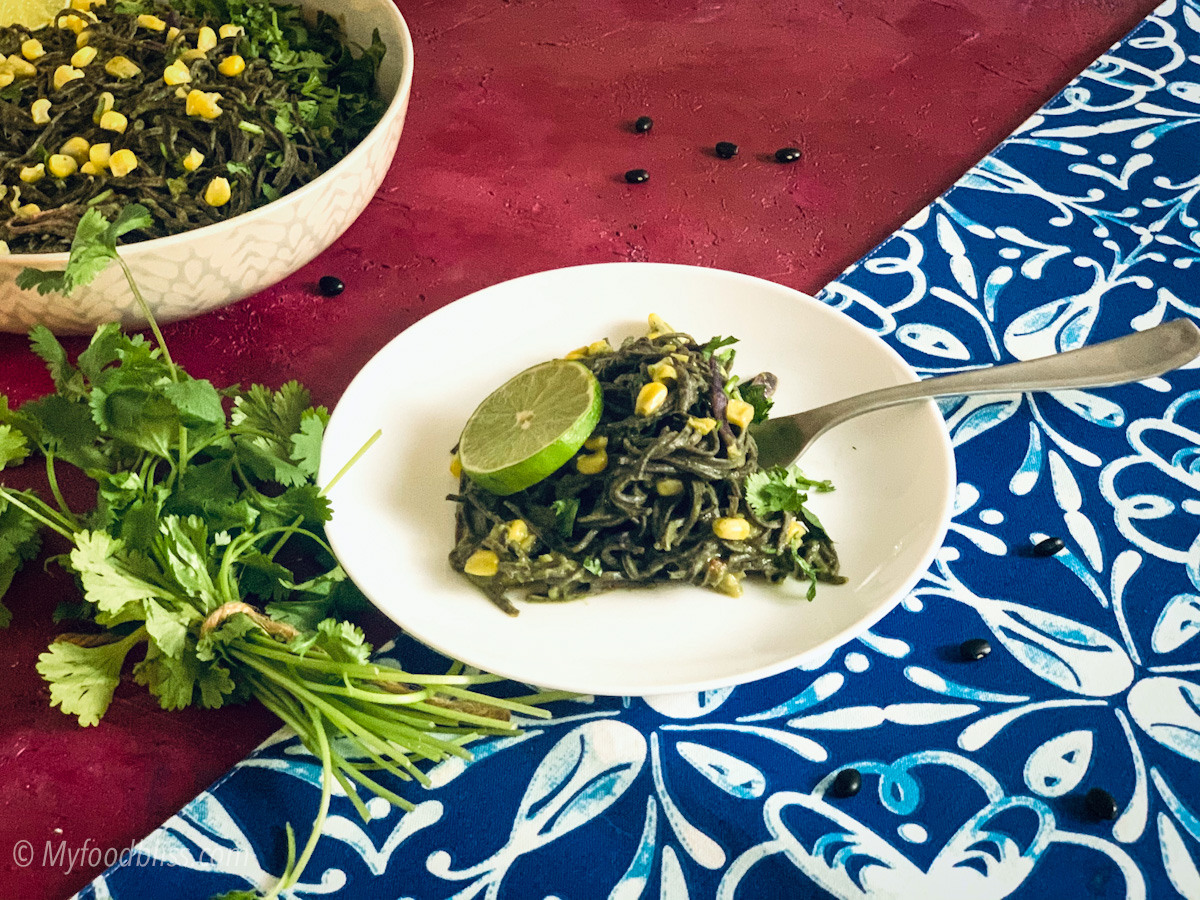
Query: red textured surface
[(512, 160)]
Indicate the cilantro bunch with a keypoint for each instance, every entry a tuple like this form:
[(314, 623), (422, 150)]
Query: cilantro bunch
[(205, 557)]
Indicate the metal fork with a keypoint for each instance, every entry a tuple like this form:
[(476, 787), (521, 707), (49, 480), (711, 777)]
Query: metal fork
[(1134, 357)]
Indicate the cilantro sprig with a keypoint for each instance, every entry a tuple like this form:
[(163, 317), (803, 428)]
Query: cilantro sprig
[(204, 557)]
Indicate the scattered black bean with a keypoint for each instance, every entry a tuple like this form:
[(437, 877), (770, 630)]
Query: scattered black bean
[(637, 176), (1101, 805), (787, 154), (643, 124), (847, 783), (726, 149), (975, 648), (1048, 546), (331, 285)]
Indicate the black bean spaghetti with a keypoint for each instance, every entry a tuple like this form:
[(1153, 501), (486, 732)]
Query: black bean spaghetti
[(667, 489), (214, 107)]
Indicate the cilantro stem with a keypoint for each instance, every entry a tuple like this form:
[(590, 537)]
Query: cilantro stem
[(294, 872), (145, 307), (58, 497), (48, 516), (366, 671), (351, 461)]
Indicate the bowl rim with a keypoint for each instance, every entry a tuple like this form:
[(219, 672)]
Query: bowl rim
[(395, 107)]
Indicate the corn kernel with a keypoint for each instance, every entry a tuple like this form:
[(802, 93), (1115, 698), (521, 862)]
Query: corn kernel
[(662, 372), (193, 161), (650, 398), (40, 110), (730, 585), (455, 466), (99, 155), (701, 426), (32, 49), (592, 463), (61, 166), (599, 348), (228, 31), (82, 39), (172, 33), (658, 326), (181, 93), (482, 563), (72, 22), (517, 531), (203, 104), (33, 174), (177, 73), (739, 413), (114, 121), (668, 487), (21, 68), (29, 209), (83, 57), (731, 528), (193, 55), (64, 75), (231, 66), (88, 168), (599, 442), (122, 163), (82, 5), (794, 532), (4, 251), (122, 67), (154, 23), (77, 148), (217, 193), (206, 39), (577, 353), (6, 78)]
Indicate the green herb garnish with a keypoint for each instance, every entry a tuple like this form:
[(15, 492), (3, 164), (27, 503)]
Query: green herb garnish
[(205, 554)]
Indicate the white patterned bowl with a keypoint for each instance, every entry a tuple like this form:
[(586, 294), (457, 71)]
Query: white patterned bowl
[(186, 274)]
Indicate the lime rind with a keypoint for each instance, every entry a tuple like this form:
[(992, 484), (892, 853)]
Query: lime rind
[(530, 426)]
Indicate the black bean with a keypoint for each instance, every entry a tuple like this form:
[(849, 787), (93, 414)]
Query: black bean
[(787, 154), (637, 176), (643, 124), (1048, 546), (847, 783), (975, 648), (1101, 805), (726, 149), (331, 285)]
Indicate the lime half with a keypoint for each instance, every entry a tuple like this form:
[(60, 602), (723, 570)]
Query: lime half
[(29, 13), (530, 426)]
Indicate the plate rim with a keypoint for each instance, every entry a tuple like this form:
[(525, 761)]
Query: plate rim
[(820, 650)]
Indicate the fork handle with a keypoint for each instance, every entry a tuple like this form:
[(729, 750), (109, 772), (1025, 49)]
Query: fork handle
[(1133, 357)]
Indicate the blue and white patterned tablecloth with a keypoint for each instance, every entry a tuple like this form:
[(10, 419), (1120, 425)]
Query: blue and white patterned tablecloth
[(1080, 227)]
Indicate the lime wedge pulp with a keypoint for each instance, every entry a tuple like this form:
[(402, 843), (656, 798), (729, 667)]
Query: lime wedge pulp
[(29, 13), (530, 426)]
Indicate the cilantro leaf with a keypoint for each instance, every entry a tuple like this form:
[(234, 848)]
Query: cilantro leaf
[(781, 490), (306, 444), (756, 396), (65, 376), (82, 679), (112, 579), (13, 447), (175, 681), (715, 344), (564, 515), (197, 401), (94, 247)]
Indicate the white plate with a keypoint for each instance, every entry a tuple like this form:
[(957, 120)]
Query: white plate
[(392, 527)]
